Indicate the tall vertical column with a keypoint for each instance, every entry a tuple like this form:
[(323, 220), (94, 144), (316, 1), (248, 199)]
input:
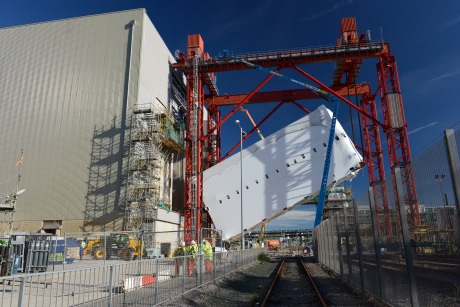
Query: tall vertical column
[(194, 144), (373, 153), (397, 139)]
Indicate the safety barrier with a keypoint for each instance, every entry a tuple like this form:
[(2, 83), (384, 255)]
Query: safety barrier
[(141, 282)]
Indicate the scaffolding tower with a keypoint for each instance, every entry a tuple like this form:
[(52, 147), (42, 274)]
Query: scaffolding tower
[(155, 135)]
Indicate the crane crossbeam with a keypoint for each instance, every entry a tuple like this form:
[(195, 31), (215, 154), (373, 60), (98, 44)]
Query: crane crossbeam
[(287, 95), (287, 58)]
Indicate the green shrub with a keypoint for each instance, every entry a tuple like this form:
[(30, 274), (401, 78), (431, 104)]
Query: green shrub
[(263, 257)]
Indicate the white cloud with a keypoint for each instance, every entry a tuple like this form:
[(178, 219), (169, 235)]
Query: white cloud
[(238, 23), (448, 24), (423, 127), (337, 6), (444, 76)]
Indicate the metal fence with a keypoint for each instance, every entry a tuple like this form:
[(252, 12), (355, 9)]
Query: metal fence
[(110, 246), (417, 265), (141, 282)]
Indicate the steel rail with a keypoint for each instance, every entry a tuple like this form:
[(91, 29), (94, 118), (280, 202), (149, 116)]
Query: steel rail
[(277, 276), (320, 297), (275, 279)]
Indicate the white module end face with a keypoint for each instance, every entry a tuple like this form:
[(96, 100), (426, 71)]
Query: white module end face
[(279, 172)]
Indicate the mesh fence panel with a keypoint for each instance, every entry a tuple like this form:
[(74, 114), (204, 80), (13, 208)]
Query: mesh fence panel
[(381, 265)]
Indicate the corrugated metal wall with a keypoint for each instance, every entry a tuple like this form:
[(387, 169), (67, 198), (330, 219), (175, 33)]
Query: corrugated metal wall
[(62, 87)]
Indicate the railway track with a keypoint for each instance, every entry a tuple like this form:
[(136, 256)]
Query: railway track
[(293, 285)]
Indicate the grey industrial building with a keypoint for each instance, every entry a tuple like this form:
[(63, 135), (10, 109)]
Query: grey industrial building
[(88, 100)]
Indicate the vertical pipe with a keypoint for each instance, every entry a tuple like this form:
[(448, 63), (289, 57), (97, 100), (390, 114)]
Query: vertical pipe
[(241, 185), (360, 248), (171, 178), (406, 240), (124, 113), (109, 303)]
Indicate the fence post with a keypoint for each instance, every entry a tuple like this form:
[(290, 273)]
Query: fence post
[(376, 241), (155, 296), (140, 252), (105, 246), (214, 267), (65, 251), (454, 166), (200, 264), (21, 291), (339, 242), (359, 246), (110, 286), (141, 247), (347, 240), (406, 239), (184, 268)]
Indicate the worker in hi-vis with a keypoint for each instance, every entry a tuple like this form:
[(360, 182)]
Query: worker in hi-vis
[(179, 253), (207, 250), (192, 251)]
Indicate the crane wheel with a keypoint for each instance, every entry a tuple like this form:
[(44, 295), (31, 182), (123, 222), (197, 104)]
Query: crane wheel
[(127, 254), (99, 254)]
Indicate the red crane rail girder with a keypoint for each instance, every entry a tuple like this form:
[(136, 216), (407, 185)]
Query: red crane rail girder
[(286, 58)]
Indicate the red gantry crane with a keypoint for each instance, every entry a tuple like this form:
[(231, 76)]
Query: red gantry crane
[(348, 54)]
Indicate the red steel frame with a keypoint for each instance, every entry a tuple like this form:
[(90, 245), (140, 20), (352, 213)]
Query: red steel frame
[(398, 143), (396, 133), (373, 155)]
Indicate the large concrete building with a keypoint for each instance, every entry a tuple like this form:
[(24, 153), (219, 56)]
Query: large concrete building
[(70, 92)]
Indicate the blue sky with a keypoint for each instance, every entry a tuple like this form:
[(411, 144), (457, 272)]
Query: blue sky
[(423, 38)]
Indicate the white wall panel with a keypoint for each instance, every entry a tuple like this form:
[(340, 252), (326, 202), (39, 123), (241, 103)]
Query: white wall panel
[(302, 145), (155, 67)]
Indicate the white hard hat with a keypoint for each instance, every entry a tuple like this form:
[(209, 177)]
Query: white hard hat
[(182, 243), (204, 241), (193, 242)]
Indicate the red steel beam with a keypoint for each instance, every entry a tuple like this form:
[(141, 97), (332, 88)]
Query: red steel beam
[(362, 50), (240, 104), (287, 95), (252, 130), (337, 95)]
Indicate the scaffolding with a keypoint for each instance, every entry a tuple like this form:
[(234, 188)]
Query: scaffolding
[(155, 135)]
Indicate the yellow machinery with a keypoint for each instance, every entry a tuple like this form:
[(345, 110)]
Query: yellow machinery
[(260, 239), (117, 245)]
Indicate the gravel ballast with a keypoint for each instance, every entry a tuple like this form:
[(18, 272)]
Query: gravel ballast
[(247, 286), (241, 288)]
